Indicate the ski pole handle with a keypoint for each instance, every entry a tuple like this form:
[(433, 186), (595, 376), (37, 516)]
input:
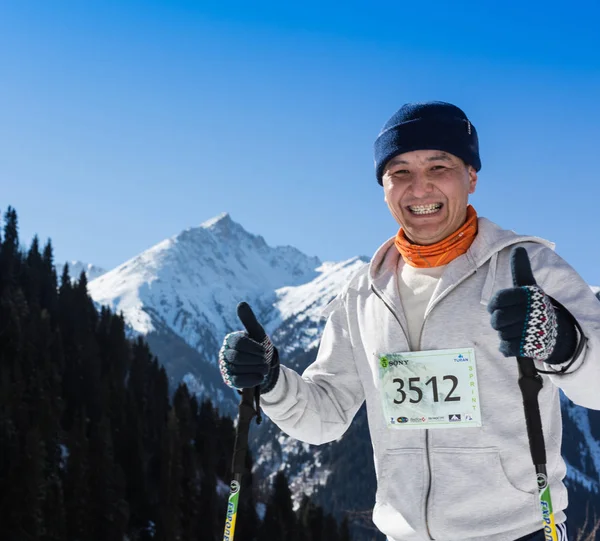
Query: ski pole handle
[(531, 384), (246, 412)]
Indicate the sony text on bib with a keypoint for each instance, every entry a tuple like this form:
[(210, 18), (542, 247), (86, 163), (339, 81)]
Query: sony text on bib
[(430, 389)]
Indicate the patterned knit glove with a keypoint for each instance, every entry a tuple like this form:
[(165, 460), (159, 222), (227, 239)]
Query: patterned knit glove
[(528, 322), (248, 358)]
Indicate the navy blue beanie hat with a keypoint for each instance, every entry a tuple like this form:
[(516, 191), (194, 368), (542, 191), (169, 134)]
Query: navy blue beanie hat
[(433, 125)]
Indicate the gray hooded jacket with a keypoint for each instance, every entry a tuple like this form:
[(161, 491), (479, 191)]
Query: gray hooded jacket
[(471, 483)]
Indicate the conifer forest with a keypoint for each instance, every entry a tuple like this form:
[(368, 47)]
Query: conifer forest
[(95, 445)]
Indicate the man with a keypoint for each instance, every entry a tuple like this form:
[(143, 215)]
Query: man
[(412, 335)]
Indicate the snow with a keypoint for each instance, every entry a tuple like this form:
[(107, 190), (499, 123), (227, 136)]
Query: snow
[(193, 385), (222, 488), (261, 510), (312, 297), (306, 477), (77, 267), (576, 476), (301, 306), (590, 446), (214, 221), (64, 456)]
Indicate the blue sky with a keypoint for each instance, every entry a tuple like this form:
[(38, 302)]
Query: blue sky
[(123, 123)]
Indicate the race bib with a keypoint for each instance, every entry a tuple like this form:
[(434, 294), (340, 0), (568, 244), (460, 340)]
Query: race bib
[(430, 389)]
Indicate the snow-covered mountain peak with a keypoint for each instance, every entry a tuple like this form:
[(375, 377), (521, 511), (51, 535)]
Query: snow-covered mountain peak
[(285, 265), (222, 229), (192, 282), (225, 229), (220, 220)]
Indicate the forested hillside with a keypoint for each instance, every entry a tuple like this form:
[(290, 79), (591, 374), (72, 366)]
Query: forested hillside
[(92, 445)]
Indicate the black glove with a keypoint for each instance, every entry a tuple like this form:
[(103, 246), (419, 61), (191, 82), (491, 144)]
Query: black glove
[(527, 320), (248, 358)]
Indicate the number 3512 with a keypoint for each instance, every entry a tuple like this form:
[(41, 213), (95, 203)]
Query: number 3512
[(433, 382)]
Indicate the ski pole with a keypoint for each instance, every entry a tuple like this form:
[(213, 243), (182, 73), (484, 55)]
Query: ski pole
[(246, 410), (531, 383), (245, 413)]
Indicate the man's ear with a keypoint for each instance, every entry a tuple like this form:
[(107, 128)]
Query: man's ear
[(472, 179)]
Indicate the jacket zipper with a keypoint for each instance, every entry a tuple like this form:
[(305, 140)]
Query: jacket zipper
[(426, 431), (428, 461), (428, 485)]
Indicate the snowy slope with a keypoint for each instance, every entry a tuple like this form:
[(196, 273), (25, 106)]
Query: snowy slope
[(297, 321)]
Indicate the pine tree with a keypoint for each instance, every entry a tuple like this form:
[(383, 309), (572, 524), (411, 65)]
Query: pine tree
[(186, 411), (345, 530), (84, 322), (49, 291), (32, 278), (10, 257), (330, 528), (249, 524), (9, 481), (280, 520), (55, 521), (33, 487), (311, 521), (108, 508), (169, 515), (212, 519), (76, 481)]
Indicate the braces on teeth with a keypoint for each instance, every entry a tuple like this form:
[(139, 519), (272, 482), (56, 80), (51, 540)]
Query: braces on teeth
[(425, 209)]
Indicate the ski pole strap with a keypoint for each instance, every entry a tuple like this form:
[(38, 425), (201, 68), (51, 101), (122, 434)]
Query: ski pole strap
[(245, 413), (531, 383), (579, 349)]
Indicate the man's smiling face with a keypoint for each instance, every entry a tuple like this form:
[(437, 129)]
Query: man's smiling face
[(427, 192)]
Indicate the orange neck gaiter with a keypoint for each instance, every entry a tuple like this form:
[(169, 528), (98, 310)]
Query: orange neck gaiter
[(442, 252)]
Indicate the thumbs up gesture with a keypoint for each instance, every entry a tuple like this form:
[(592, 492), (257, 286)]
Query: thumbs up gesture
[(528, 322), (248, 358)]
